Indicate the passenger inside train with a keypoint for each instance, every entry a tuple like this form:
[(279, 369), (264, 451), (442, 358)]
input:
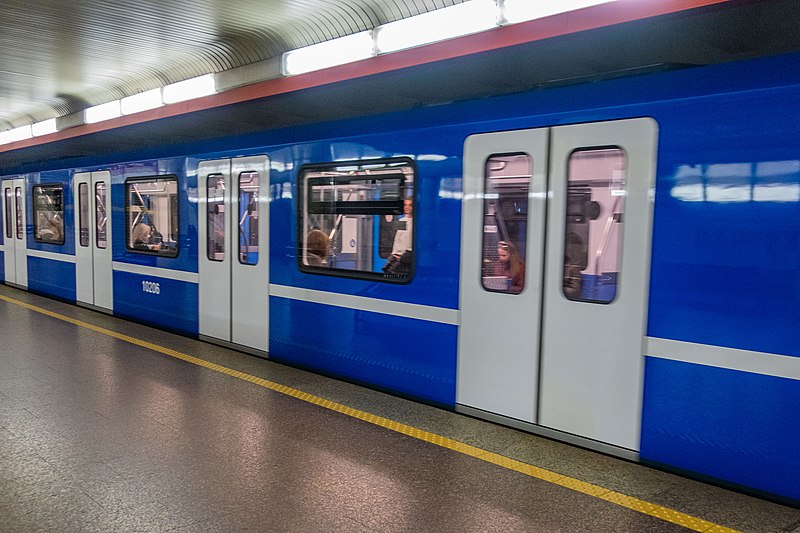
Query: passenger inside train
[(144, 239)]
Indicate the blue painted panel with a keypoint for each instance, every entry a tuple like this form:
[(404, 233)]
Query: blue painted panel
[(2, 267), (726, 244), (64, 178), (411, 357), (437, 217), (174, 307), (735, 426), (53, 278), (185, 170)]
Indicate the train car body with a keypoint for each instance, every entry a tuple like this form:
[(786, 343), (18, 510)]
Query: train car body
[(649, 307)]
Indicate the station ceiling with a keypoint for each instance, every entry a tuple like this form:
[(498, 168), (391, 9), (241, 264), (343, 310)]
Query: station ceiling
[(57, 58)]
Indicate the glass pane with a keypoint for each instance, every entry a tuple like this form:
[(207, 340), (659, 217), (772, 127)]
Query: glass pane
[(248, 218), (507, 178), (9, 216), (215, 187), (592, 242), (48, 214), (83, 213), (101, 215), (151, 208), (357, 219), (18, 204)]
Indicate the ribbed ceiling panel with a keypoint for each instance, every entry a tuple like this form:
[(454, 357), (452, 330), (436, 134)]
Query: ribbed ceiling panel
[(56, 57)]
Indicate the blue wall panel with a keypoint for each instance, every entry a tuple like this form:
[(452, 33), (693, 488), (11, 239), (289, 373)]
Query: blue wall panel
[(3, 267), (175, 307), (726, 240), (735, 426), (412, 357), (53, 278)]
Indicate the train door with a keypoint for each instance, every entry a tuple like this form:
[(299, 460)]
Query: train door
[(93, 258), (15, 247), (578, 326), (234, 250), (503, 212)]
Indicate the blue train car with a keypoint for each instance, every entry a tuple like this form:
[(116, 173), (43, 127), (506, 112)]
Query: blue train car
[(612, 264)]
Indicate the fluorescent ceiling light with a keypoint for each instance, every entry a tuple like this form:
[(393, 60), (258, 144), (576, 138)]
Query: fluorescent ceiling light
[(446, 23), (141, 102), (102, 112), (17, 134), (44, 128), (329, 53), (189, 89), (522, 10)]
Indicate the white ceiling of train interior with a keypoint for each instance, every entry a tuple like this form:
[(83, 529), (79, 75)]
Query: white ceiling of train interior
[(58, 57)]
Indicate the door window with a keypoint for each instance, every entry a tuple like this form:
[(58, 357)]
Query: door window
[(101, 216), (507, 179), (9, 216), (215, 217), (248, 218), (18, 208), (593, 235), (83, 213)]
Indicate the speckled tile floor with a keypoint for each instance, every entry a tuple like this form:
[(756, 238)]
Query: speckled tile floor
[(97, 434)]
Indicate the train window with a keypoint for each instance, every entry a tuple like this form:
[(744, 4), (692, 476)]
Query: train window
[(83, 214), (9, 216), (150, 209), (593, 229), (101, 217), (507, 178), (215, 217), (48, 214), (357, 219), (18, 208), (248, 218)]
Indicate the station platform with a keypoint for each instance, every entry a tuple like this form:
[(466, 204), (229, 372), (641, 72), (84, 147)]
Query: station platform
[(107, 425)]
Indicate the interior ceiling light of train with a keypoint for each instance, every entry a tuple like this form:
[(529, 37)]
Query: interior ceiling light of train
[(69, 64)]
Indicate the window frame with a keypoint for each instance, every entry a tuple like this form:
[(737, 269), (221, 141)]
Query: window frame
[(372, 208), (624, 154), (485, 201), (156, 177), (35, 212)]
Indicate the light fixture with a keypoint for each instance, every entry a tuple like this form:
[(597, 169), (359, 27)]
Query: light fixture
[(102, 112), (438, 25), (189, 89), (523, 10), (17, 134), (44, 128), (141, 102), (329, 53)]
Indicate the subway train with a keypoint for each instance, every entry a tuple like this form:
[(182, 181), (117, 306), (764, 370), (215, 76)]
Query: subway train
[(613, 264)]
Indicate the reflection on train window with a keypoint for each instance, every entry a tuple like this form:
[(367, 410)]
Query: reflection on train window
[(215, 217), (593, 237), (507, 178), (48, 214), (357, 220), (248, 218), (9, 216), (101, 215), (151, 211), (83, 214), (18, 208)]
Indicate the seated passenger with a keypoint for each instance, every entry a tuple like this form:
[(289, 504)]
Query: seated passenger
[(317, 248), (141, 237), (50, 231), (511, 266), (399, 261)]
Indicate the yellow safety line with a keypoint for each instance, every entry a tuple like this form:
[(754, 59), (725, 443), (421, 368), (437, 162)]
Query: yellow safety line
[(664, 513)]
